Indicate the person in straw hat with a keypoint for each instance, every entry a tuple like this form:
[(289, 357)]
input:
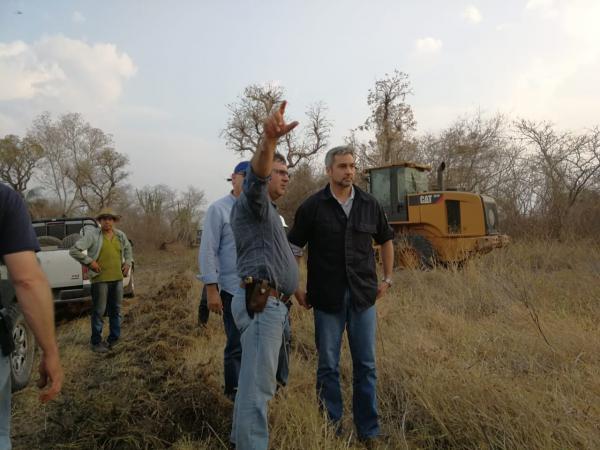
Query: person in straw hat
[(108, 259)]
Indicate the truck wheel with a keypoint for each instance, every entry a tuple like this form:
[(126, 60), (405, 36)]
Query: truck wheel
[(414, 252), (21, 359), (48, 241), (69, 241), (129, 290)]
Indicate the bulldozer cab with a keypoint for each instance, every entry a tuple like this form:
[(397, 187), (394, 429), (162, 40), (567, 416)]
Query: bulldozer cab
[(392, 184)]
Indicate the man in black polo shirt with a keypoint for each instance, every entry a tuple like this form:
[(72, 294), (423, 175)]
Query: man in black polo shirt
[(339, 224), (18, 245)]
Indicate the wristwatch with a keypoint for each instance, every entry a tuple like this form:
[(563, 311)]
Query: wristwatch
[(388, 281)]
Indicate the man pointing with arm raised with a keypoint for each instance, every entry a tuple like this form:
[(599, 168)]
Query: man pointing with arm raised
[(269, 276)]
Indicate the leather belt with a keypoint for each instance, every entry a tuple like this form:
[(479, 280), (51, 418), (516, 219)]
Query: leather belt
[(273, 293), (279, 295)]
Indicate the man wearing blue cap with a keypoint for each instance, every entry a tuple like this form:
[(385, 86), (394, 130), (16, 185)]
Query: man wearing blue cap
[(218, 272)]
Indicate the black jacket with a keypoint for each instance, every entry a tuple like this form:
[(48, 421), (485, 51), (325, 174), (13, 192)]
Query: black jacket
[(340, 249)]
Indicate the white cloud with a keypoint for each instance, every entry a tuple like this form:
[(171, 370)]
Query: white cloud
[(23, 76), (428, 45), (62, 70), (78, 17), (539, 4), (472, 14), (547, 9), (550, 86)]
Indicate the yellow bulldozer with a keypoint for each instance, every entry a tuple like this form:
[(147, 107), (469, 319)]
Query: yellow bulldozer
[(432, 227)]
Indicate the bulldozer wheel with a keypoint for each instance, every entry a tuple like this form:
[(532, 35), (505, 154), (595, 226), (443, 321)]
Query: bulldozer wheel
[(414, 252)]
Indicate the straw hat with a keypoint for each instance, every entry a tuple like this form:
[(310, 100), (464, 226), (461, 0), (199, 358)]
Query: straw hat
[(108, 212)]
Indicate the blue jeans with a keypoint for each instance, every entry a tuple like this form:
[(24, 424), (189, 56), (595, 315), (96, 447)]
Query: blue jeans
[(4, 402), (261, 338), (106, 297), (329, 329), (232, 355)]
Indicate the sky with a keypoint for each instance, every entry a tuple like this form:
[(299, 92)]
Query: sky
[(158, 75)]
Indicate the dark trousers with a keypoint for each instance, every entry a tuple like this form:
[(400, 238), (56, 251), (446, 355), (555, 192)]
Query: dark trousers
[(203, 311), (283, 365), (232, 354)]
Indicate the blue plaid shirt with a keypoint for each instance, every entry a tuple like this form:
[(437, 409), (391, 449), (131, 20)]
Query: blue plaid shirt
[(263, 250)]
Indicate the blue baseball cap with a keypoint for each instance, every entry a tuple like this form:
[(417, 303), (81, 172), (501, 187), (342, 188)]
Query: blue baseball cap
[(241, 167)]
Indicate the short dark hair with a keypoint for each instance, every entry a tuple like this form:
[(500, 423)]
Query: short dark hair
[(278, 157), (341, 150)]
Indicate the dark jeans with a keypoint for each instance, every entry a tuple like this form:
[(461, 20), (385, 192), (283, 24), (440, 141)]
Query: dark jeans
[(232, 354), (106, 297), (283, 365), (360, 326), (203, 311)]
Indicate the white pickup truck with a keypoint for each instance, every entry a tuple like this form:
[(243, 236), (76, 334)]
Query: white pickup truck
[(67, 278)]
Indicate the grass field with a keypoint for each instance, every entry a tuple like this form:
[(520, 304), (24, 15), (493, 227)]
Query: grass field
[(504, 353)]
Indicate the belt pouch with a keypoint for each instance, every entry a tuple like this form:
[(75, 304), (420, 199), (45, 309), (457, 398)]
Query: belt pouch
[(257, 294)]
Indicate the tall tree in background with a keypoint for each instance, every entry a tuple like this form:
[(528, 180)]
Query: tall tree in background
[(155, 202), (567, 164), (55, 162), (81, 167), (186, 214), (168, 216), (391, 120), (305, 181), (478, 153), (18, 160), (244, 127)]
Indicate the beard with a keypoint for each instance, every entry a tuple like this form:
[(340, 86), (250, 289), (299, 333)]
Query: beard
[(345, 182)]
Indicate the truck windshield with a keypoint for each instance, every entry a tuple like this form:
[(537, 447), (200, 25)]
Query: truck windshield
[(411, 180), (380, 186)]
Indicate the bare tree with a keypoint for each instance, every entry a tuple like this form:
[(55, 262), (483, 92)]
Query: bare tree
[(18, 160), (478, 152), (168, 216), (82, 169), (155, 200), (244, 127), (98, 177), (569, 164), (391, 120), (155, 203), (55, 162), (186, 214), (305, 181)]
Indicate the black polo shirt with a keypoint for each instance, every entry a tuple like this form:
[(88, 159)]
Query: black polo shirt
[(340, 248), (16, 231)]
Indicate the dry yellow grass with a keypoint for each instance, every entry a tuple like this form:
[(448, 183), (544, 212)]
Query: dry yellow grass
[(502, 354)]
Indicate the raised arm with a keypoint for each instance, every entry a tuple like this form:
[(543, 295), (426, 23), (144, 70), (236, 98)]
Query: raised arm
[(274, 127)]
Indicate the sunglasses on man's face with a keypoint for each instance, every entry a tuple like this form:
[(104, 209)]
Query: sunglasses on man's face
[(281, 172)]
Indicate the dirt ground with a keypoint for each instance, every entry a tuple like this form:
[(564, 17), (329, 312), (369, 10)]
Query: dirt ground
[(501, 354)]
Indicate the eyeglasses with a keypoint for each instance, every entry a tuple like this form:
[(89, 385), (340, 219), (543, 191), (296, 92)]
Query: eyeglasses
[(281, 173)]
